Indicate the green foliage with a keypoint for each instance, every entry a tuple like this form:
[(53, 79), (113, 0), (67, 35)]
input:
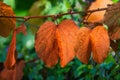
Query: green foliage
[(36, 70), (115, 1)]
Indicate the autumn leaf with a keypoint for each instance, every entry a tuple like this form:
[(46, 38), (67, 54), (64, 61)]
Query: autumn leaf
[(83, 46), (100, 43), (46, 45), (15, 74), (66, 38), (115, 35), (21, 29), (54, 41), (11, 55), (18, 71), (6, 24), (112, 20), (99, 15)]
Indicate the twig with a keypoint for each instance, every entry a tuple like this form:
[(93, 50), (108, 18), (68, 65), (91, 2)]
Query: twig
[(26, 18), (32, 61)]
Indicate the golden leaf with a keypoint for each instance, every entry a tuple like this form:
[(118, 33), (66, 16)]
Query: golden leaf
[(66, 38), (11, 55), (99, 15), (46, 45), (100, 43), (83, 47), (6, 24)]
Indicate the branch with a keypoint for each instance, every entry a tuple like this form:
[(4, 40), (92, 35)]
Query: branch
[(26, 18), (32, 61)]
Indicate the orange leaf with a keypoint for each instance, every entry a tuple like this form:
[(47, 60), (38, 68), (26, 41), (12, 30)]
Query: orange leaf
[(11, 55), (22, 29), (115, 35), (18, 71), (99, 15), (46, 45), (83, 47), (6, 24), (66, 38), (100, 43), (15, 74)]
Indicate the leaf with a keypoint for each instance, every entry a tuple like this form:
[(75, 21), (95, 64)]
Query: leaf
[(100, 43), (11, 55), (112, 20), (99, 15), (66, 38), (116, 34), (54, 41), (36, 9), (83, 47), (46, 45), (15, 74), (22, 29), (18, 71), (6, 24)]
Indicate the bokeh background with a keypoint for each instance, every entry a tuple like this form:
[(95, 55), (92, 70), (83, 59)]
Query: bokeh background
[(35, 68)]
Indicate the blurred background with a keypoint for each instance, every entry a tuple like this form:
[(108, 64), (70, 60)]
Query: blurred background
[(35, 68)]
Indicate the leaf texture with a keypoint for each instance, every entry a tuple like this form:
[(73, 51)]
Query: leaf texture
[(6, 24), (66, 38), (99, 15), (100, 43), (46, 45), (112, 20), (11, 55), (83, 46)]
